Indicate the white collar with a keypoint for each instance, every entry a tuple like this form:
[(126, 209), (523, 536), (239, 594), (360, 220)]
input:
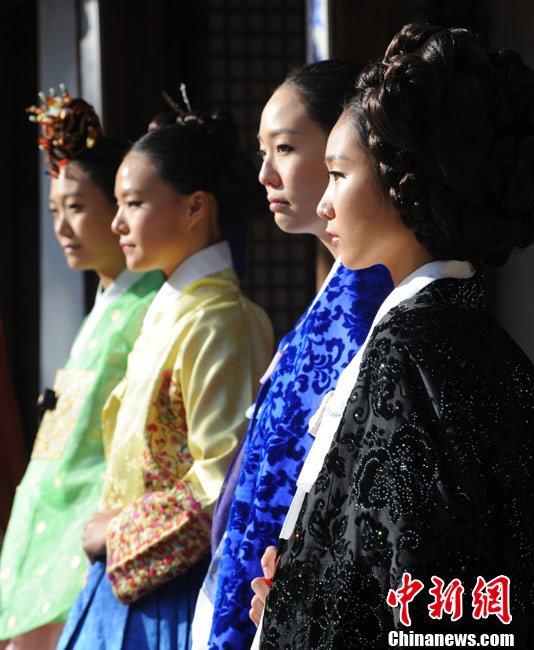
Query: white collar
[(202, 263), (120, 285), (103, 300)]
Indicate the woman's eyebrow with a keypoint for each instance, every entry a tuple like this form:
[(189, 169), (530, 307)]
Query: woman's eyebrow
[(276, 132), (335, 156)]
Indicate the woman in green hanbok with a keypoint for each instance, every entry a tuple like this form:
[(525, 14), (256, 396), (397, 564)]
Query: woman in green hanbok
[(43, 566)]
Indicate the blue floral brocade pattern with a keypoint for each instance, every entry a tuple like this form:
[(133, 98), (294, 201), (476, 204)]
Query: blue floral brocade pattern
[(316, 351)]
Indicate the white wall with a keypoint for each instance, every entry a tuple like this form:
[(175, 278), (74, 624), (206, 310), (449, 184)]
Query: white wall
[(61, 289)]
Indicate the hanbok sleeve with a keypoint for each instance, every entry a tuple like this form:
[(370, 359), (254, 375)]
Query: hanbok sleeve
[(196, 421)]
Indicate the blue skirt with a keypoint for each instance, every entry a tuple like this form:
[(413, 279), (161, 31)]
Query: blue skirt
[(160, 620)]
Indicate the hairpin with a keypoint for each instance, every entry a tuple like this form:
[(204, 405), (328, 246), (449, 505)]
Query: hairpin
[(174, 105), (70, 127), (170, 101), (184, 97)]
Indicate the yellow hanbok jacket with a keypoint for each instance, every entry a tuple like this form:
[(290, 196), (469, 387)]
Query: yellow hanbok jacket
[(172, 425)]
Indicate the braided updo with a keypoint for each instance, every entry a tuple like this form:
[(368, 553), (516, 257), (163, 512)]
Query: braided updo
[(200, 152), (450, 130)]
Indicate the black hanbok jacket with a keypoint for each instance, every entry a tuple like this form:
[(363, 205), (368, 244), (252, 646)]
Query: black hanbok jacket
[(430, 472)]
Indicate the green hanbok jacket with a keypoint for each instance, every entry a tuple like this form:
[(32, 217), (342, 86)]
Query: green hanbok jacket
[(43, 566)]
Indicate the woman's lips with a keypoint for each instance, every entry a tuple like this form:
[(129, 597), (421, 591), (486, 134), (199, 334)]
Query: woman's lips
[(277, 204), (70, 248), (333, 238)]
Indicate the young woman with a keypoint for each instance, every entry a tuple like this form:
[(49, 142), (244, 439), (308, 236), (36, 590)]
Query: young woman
[(43, 567), (292, 137), (174, 422), (417, 502)]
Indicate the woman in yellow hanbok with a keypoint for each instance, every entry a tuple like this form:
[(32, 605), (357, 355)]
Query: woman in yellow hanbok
[(174, 422)]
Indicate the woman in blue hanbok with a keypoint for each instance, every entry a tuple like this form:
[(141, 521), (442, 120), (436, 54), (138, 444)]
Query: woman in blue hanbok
[(293, 132)]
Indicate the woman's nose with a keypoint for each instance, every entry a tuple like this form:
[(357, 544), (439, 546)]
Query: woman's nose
[(268, 175), (62, 225), (118, 225), (325, 209)]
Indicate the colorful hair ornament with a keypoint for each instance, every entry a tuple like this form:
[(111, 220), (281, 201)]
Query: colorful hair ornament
[(174, 105), (70, 127), (185, 97)]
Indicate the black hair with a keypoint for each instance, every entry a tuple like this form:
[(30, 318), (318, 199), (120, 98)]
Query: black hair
[(200, 152), (161, 119), (449, 126), (102, 162), (324, 87)]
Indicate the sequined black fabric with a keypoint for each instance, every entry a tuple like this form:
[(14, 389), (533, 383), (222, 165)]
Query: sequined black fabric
[(430, 471)]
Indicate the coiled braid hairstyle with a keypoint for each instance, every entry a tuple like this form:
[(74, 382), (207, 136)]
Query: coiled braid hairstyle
[(449, 126)]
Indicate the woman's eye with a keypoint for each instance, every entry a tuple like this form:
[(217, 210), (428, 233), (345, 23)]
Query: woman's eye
[(75, 207), (133, 204), (261, 153), (335, 175), (283, 148)]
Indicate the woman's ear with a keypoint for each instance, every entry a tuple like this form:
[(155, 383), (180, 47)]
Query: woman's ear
[(197, 208)]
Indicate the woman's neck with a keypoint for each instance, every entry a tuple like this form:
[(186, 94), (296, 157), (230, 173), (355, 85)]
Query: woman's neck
[(405, 265), (108, 275)]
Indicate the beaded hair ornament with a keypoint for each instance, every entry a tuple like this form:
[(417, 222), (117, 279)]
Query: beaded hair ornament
[(70, 127)]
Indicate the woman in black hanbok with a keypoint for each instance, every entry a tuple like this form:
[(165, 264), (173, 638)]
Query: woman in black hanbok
[(414, 513)]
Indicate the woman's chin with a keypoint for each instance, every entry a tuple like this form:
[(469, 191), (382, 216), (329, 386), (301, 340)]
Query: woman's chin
[(139, 267), (292, 224), (77, 263)]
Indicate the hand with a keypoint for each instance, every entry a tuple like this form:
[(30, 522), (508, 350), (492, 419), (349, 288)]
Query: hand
[(262, 586), (95, 531)]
